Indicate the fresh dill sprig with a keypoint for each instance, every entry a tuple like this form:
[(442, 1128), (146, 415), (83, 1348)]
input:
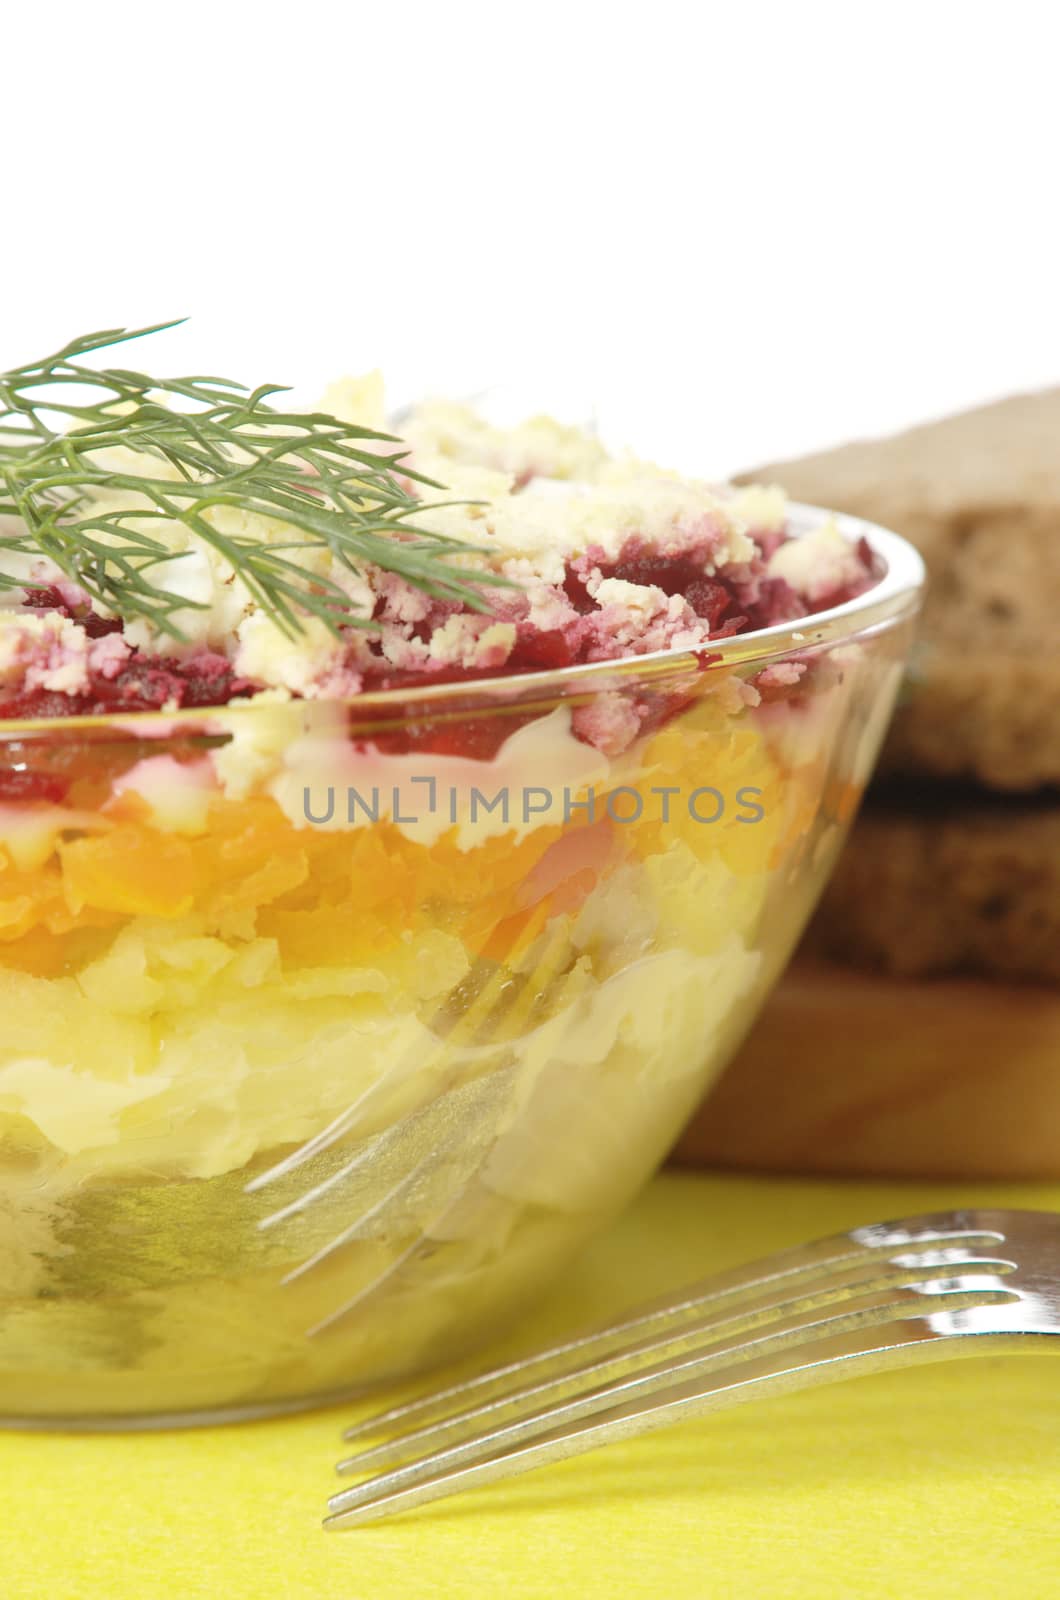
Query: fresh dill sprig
[(227, 446)]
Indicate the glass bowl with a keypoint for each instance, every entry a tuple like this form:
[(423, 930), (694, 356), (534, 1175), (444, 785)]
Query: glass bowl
[(331, 1031)]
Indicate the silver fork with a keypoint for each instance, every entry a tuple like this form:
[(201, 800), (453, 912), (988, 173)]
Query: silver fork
[(430, 1149), (880, 1297)]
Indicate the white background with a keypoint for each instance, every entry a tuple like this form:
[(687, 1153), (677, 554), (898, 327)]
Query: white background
[(739, 231)]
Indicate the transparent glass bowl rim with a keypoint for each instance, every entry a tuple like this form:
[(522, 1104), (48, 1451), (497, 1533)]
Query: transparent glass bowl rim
[(896, 595)]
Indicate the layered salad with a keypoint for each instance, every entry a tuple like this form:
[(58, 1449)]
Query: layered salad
[(388, 858)]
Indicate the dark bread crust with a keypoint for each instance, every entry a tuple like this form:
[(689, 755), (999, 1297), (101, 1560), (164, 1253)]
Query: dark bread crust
[(954, 886), (979, 494)]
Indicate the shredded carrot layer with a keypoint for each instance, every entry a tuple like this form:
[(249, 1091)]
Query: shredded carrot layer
[(331, 897)]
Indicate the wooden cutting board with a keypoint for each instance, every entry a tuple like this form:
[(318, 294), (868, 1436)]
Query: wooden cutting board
[(847, 1072)]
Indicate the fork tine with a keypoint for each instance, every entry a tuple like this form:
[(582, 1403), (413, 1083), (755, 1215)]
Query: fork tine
[(401, 1186), (505, 1012), (657, 1395), (828, 1255), (487, 999), (482, 1101), (868, 1277), (336, 1129)]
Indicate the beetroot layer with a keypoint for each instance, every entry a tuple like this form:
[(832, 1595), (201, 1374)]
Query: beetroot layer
[(206, 678)]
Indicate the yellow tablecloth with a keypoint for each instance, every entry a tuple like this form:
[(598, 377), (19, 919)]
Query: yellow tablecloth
[(943, 1481)]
